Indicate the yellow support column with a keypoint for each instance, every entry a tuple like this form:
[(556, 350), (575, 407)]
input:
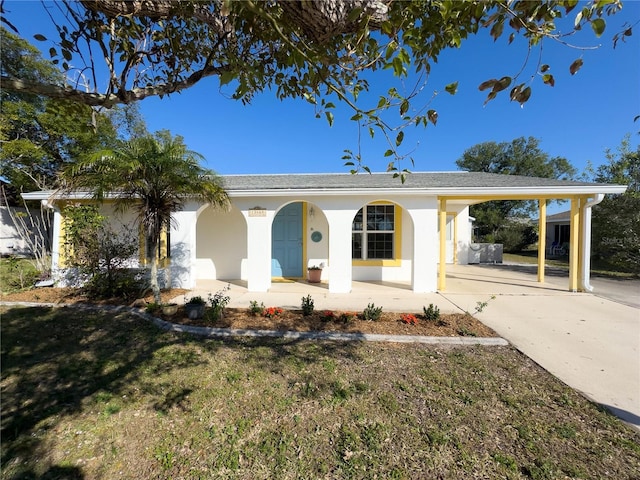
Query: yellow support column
[(64, 250), (574, 237), (542, 237), (442, 217)]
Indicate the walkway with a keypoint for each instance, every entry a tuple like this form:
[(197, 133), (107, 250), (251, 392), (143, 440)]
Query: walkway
[(589, 341)]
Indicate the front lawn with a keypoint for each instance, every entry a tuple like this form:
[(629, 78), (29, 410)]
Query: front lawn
[(106, 395)]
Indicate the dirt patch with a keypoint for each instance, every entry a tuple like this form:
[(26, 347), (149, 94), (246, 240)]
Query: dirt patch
[(390, 323), (73, 295)]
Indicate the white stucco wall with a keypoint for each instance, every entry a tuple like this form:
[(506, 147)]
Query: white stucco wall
[(221, 244), (464, 235), (317, 252)]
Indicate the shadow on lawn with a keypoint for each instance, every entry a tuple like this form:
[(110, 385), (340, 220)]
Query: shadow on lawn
[(53, 359)]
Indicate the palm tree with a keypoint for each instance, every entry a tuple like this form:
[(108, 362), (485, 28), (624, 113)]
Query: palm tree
[(151, 175)]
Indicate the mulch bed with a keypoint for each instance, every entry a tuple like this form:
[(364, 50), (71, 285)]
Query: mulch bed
[(390, 323)]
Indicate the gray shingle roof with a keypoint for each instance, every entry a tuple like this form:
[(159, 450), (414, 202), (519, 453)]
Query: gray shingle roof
[(415, 180)]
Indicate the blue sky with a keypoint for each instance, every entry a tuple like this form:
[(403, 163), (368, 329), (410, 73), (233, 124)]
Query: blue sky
[(578, 118)]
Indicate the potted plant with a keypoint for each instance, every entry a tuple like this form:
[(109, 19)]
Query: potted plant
[(169, 309), (315, 274), (194, 307)]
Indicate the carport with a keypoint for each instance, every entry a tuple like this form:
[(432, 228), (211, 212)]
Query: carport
[(583, 196)]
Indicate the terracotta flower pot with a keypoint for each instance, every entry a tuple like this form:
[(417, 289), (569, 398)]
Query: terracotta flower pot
[(314, 275)]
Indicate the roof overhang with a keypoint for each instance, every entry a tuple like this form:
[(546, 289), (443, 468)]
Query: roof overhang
[(456, 187)]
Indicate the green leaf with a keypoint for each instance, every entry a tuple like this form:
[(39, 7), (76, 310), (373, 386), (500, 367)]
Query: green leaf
[(354, 14), (391, 48), (404, 106), (388, 153), (487, 84), (497, 29), (452, 88), (548, 79), (575, 66), (40, 37), (349, 164), (399, 138), (544, 68), (329, 116), (491, 96), (598, 25), (502, 84), (225, 77), (570, 5), (433, 116)]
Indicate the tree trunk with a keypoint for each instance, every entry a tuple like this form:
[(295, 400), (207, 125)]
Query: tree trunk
[(153, 280)]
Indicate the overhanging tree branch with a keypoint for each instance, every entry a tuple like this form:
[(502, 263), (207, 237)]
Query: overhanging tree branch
[(106, 100)]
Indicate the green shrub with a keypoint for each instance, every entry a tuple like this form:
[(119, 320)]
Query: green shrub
[(255, 309), (114, 283), (307, 305), (19, 273), (152, 308), (372, 312), (219, 302), (348, 317), (431, 313)]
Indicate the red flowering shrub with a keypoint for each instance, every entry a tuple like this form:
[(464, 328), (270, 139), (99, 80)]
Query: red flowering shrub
[(271, 312), (327, 315), (409, 318)]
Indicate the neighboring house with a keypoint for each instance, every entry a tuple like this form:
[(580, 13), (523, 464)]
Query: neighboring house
[(359, 227), (558, 233), (32, 229)]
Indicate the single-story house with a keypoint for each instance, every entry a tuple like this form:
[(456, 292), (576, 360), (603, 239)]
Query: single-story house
[(558, 232), (22, 229), (365, 227)]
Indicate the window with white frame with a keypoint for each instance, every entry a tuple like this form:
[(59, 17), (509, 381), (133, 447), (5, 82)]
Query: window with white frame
[(373, 233)]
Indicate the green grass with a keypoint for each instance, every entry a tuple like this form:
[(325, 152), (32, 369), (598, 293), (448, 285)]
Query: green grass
[(17, 274), (103, 395), (597, 268)]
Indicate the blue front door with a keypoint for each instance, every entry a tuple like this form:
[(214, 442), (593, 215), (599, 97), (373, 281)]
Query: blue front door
[(286, 242)]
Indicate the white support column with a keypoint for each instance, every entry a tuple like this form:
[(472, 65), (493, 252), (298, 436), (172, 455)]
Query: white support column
[(56, 240), (542, 237), (585, 278), (183, 247), (340, 261), (259, 250), (425, 253)]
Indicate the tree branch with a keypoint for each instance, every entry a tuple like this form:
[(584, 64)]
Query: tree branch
[(111, 99)]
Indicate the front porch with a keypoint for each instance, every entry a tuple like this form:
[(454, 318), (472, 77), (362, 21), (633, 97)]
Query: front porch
[(477, 281)]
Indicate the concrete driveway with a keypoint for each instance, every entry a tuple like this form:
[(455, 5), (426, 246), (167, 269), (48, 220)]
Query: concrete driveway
[(589, 341)]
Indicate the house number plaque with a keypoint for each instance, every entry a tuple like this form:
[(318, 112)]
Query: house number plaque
[(257, 212)]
